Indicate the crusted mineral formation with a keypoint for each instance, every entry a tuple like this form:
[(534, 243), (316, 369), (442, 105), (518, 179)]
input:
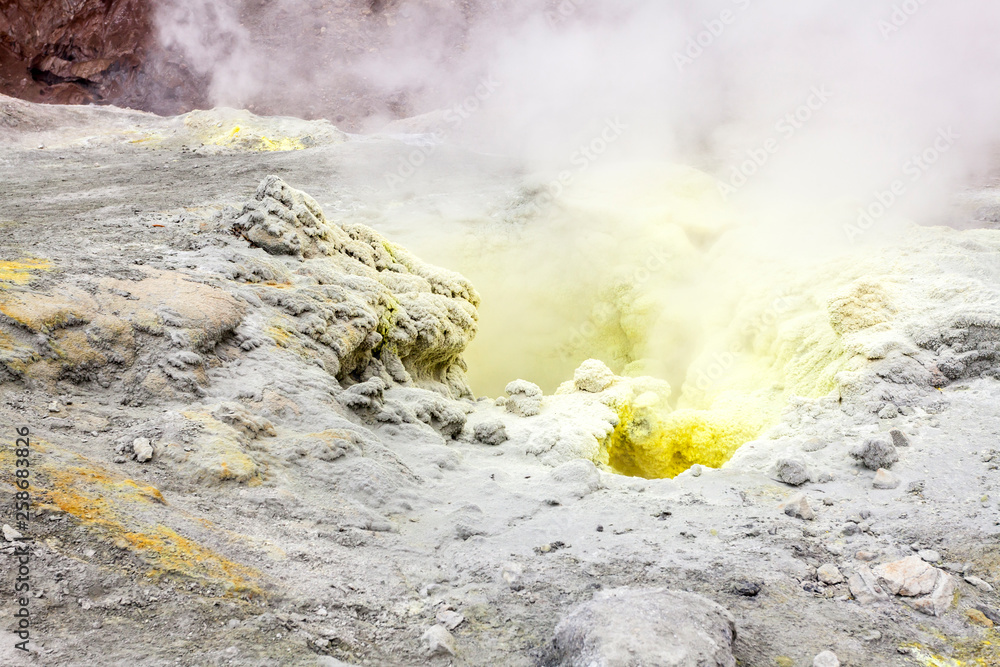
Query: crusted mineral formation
[(377, 308)]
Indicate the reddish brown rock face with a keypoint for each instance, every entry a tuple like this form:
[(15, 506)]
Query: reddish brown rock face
[(71, 52)]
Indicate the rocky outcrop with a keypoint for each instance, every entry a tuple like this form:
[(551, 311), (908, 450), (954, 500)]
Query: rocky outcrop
[(72, 53), (379, 310)]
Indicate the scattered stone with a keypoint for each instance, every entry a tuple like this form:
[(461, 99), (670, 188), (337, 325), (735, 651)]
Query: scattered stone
[(938, 601), (929, 555), (748, 589), (798, 506), (913, 577), (550, 547), (438, 641), (513, 575), (916, 487), (830, 575), (646, 627), (989, 613), (899, 439), (695, 470), (450, 618), (593, 376), (872, 636), (876, 453), (885, 479), (828, 502), (826, 659), (864, 586), (866, 556), (143, 449), (908, 577), (850, 528), (525, 398), (979, 584), (54, 406), (492, 432), (977, 617), (792, 472), (10, 534), (813, 445), (825, 478)]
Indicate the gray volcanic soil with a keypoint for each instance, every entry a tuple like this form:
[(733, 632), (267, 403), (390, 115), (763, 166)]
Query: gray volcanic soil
[(354, 556)]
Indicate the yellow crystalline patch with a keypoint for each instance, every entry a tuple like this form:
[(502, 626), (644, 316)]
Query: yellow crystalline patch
[(115, 508), (652, 445), (239, 137), (967, 653), (19, 273)]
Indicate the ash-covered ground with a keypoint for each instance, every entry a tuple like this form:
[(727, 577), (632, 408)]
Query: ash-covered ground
[(254, 442)]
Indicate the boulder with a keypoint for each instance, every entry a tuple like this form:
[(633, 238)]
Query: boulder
[(646, 627)]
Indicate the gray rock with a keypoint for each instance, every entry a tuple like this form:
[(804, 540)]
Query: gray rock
[(864, 586), (929, 555), (10, 534), (491, 432), (437, 641), (798, 506), (449, 618), (792, 472), (979, 583), (513, 575), (829, 574), (624, 627), (899, 439), (826, 659), (143, 449), (885, 479), (876, 453), (938, 600)]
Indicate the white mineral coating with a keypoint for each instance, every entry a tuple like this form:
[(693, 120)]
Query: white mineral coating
[(524, 398), (593, 375)]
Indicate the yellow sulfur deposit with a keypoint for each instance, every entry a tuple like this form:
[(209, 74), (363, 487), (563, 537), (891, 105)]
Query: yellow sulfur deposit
[(19, 273), (121, 511), (652, 442), (248, 139)]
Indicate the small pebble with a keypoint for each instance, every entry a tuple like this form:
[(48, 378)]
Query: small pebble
[(977, 617)]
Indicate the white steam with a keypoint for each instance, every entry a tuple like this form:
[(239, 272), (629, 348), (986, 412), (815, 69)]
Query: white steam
[(825, 124)]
